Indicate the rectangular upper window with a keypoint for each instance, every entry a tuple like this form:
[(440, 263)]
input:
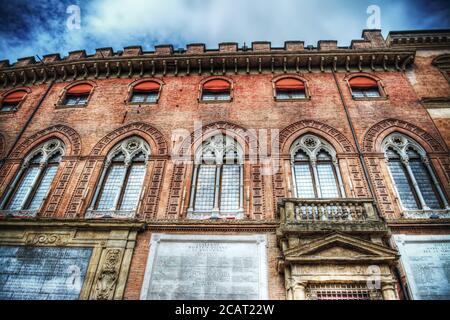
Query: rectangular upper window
[(366, 93), (216, 96), (144, 97), (9, 106), (76, 100)]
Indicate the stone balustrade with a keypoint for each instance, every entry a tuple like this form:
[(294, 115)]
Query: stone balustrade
[(331, 210)]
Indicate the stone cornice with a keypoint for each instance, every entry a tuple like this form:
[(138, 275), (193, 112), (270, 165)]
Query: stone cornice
[(207, 63), (419, 39)]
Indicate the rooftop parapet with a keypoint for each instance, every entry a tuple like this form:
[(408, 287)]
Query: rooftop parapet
[(368, 54)]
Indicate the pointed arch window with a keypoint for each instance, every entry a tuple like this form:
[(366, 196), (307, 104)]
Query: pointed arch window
[(315, 169), (12, 101), (32, 184), (217, 188), (121, 182), (414, 179)]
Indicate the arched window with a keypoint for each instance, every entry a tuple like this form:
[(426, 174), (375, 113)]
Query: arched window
[(414, 179), (120, 185), (315, 169), (290, 88), (364, 87), (77, 95), (217, 184), (12, 100), (216, 90), (145, 92), (31, 185)]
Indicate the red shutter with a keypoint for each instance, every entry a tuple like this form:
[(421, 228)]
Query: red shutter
[(80, 89), (290, 84), (147, 86), (217, 85), (363, 83), (15, 97)]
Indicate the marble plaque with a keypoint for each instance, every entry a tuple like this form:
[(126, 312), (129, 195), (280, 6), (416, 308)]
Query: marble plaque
[(199, 267), (42, 273), (426, 260)]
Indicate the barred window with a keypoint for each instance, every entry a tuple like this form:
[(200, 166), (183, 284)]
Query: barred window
[(315, 170), (412, 174), (217, 182), (122, 179), (32, 184)]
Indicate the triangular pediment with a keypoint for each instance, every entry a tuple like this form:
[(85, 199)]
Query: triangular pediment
[(340, 247)]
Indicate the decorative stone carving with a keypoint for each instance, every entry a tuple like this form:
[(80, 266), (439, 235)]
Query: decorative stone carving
[(69, 133), (107, 278), (47, 239), (372, 134)]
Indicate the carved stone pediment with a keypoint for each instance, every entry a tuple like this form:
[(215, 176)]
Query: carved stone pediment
[(339, 248)]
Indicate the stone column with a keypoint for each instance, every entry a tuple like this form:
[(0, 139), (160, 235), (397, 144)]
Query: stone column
[(388, 291), (300, 291)]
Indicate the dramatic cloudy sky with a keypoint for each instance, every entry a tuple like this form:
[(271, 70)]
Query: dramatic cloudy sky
[(30, 27)]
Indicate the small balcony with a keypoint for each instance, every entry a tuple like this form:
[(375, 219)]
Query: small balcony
[(339, 214)]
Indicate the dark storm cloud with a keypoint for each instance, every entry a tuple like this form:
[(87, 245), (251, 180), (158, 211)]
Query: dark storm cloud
[(39, 27)]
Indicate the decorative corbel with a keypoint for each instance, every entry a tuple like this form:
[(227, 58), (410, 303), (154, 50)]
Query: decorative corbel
[(347, 63)]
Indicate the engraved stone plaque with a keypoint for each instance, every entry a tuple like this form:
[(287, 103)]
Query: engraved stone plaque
[(42, 273), (199, 267), (426, 260)]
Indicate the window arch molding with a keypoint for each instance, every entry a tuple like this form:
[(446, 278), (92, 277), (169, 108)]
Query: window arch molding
[(217, 189), (132, 85), (414, 180), (63, 94), (120, 185), (315, 168), (6, 94), (211, 78), (380, 85), (291, 76), (32, 183)]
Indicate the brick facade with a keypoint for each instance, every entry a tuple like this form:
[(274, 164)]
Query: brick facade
[(407, 77)]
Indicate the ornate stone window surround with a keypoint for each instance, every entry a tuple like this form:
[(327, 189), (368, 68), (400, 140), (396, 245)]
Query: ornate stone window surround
[(129, 148), (312, 145), (47, 149), (400, 143), (219, 152)]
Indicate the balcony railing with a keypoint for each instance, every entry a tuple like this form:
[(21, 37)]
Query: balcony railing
[(115, 214), (331, 210)]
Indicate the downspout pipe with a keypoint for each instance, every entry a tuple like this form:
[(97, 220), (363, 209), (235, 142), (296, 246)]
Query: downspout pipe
[(366, 171), (355, 138)]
